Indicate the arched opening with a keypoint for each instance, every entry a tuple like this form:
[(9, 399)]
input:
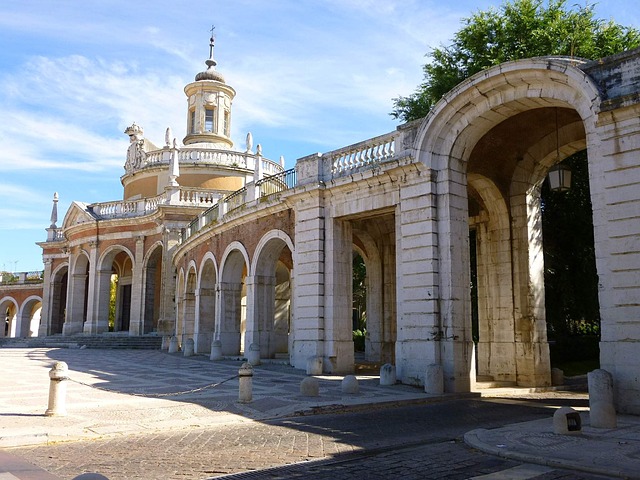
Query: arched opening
[(374, 291), (205, 329), (58, 300), (269, 314), (114, 283), (505, 172), (233, 303), (77, 296), (152, 290), (30, 317), (180, 296), (189, 307), (9, 310), (570, 277)]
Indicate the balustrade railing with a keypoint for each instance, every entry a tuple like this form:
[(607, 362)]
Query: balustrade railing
[(21, 278), (199, 197), (363, 154), (127, 208)]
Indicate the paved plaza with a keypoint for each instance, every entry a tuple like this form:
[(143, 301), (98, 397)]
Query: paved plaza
[(118, 424)]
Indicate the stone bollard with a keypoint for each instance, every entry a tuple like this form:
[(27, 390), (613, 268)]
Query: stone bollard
[(314, 366), (557, 376), (216, 350), (165, 342), (189, 347), (350, 385), (57, 390), (173, 345), (388, 374), (245, 374), (566, 421), (310, 387), (253, 355), (602, 411), (434, 380)]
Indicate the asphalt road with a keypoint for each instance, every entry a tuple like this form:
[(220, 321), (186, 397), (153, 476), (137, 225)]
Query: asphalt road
[(407, 442)]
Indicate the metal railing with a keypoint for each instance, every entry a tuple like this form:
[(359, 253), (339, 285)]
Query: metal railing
[(277, 183), (267, 186)]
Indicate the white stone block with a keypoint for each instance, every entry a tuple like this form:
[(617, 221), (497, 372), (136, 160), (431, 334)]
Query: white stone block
[(349, 385), (388, 375), (602, 411), (566, 421), (310, 387), (434, 380), (314, 366)]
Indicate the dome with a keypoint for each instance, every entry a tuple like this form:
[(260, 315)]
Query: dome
[(210, 73)]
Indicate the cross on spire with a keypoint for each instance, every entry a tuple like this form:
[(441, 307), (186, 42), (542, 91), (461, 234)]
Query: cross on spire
[(211, 41)]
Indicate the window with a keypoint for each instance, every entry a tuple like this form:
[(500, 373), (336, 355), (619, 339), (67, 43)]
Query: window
[(226, 123), (209, 120), (192, 121)]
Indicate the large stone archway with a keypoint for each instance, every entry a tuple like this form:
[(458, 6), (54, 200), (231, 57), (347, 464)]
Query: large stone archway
[(482, 137)]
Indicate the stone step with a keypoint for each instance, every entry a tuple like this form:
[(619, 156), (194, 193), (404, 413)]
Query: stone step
[(108, 341)]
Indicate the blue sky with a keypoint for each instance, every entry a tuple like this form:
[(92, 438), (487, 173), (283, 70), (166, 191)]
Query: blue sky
[(310, 75)]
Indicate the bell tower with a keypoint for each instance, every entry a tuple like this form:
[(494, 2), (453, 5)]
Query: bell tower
[(209, 106)]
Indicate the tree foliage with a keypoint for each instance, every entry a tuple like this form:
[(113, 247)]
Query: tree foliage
[(570, 277), (518, 29)]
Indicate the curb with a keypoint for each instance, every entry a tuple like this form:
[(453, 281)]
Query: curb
[(473, 440)]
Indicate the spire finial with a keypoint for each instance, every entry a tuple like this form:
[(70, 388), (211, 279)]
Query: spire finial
[(211, 62)]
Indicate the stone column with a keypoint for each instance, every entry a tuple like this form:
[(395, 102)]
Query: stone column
[(230, 311), (205, 319), (531, 347), (136, 324), (167, 314), (47, 292), (309, 267), (90, 325), (338, 355), (260, 313), (417, 288), (76, 299)]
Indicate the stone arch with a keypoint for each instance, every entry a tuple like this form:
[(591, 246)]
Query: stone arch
[(116, 262), (496, 331), (232, 301), (205, 328), (381, 325), (269, 294), (180, 296), (9, 308), (152, 294), (189, 307), (447, 141), (77, 294), (30, 315), (58, 299)]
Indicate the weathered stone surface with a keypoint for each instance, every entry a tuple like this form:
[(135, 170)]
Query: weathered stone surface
[(602, 412), (388, 374), (310, 387), (350, 385), (566, 421)]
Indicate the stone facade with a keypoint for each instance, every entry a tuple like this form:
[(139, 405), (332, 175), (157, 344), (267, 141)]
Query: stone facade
[(269, 266)]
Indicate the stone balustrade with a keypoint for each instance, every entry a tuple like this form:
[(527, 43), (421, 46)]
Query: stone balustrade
[(21, 278), (127, 208), (364, 154), (225, 158)]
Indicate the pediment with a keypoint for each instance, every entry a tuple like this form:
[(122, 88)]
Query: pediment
[(77, 214)]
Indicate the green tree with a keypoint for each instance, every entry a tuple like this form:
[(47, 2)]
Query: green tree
[(518, 29)]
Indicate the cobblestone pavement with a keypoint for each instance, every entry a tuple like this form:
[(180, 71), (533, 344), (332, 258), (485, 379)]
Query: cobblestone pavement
[(411, 442)]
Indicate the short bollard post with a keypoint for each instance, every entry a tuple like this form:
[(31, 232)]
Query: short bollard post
[(57, 390), (216, 350), (173, 345), (245, 375)]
